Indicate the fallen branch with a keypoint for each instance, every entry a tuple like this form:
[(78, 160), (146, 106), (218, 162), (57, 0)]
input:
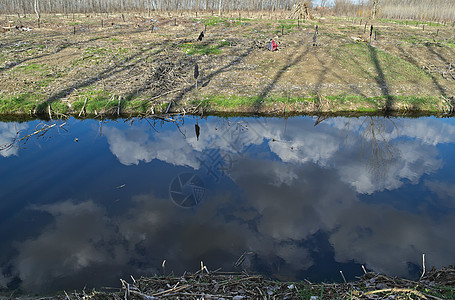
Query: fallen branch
[(44, 129), (172, 290), (396, 290)]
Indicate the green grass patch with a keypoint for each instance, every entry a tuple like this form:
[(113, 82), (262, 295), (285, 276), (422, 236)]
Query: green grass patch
[(21, 103), (136, 105), (215, 21), (98, 100), (32, 68), (412, 39), (59, 106), (377, 65), (443, 292), (338, 103), (95, 55), (287, 25), (235, 102), (409, 22)]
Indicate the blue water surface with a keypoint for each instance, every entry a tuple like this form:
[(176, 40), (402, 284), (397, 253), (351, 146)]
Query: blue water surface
[(86, 202)]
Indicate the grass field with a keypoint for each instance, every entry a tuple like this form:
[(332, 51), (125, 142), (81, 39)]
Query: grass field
[(94, 64)]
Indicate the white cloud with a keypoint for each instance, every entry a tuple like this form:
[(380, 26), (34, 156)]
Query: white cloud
[(387, 239), (77, 239), (8, 132), (367, 153), (133, 145), (384, 238), (428, 130)]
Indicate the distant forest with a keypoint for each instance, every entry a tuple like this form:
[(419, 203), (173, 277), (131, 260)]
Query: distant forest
[(433, 10), (430, 10)]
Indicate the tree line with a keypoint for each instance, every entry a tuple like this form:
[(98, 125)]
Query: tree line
[(429, 10), (102, 6), (435, 10)]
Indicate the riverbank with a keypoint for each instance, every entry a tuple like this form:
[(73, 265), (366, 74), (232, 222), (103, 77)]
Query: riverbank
[(436, 284), (129, 64)]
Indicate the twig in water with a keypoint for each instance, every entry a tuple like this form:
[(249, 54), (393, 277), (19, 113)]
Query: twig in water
[(341, 272), (240, 260), (364, 270), (45, 129), (67, 297), (423, 264), (163, 265)]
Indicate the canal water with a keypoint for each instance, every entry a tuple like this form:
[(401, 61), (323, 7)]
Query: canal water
[(85, 203)]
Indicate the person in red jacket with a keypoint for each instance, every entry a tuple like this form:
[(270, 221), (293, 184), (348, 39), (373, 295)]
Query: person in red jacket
[(272, 45)]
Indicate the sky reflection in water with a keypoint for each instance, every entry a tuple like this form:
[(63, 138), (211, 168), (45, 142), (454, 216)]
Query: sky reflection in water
[(305, 201)]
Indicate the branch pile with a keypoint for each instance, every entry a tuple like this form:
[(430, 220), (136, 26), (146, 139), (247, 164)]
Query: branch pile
[(446, 71), (437, 284), (301, 10)]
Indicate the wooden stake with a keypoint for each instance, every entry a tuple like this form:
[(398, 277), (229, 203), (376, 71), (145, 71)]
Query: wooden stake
[(118, 106), (371, 32), (83, 107)]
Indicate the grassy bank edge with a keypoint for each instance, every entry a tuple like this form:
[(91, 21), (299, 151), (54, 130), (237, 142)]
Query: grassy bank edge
[(113, 105)]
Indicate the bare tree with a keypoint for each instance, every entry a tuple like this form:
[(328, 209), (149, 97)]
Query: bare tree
[(374, 9), (36, 7)]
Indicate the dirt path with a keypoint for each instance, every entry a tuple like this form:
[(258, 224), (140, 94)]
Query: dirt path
[(143, 64)]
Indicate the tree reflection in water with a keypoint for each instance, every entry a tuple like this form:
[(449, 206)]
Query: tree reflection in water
[(375, 135)]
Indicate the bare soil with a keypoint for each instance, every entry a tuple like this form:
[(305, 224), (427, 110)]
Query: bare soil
[(146, 64)]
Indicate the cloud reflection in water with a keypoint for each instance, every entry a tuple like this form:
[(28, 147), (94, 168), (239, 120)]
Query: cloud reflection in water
[(289, 186)]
